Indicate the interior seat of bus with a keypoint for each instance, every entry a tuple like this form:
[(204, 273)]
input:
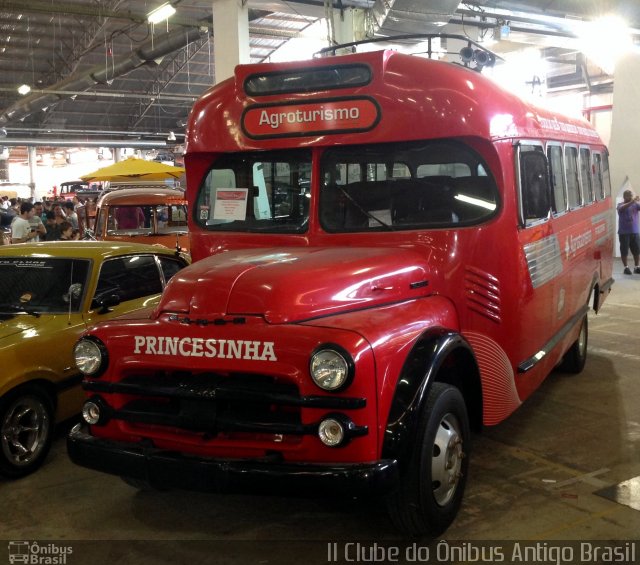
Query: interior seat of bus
[(423, 202), (427, 200)]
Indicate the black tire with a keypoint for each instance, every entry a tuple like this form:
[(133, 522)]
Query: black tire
[(576, 356), (26, 430), (423, 505)]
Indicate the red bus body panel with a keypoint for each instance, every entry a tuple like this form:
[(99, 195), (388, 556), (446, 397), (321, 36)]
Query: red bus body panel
[(374, 294)]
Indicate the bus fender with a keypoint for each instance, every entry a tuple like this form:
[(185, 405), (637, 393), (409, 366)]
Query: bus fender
[(425, 365)]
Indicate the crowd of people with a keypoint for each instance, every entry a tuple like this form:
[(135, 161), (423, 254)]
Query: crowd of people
[(47, 220)]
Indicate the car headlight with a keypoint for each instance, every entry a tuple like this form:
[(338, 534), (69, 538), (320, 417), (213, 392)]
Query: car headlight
[(331, 432), (331, 367), (96, 411), (91, 356)]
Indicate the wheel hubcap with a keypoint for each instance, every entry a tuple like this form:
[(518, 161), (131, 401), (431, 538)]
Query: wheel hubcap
[(24, 431), (582, 340), (446, 464)]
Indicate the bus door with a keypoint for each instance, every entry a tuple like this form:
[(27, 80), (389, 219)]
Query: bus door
[(540, 294)]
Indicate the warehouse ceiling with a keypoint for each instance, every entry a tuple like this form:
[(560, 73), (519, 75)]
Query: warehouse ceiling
[(98, 71)]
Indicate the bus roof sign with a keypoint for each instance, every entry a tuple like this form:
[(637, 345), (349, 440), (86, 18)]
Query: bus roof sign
[(309, 118)]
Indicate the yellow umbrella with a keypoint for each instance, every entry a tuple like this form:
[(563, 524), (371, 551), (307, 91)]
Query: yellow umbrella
[(134, 169)]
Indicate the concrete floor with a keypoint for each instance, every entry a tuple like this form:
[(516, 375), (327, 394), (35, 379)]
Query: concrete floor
[(533, 477)]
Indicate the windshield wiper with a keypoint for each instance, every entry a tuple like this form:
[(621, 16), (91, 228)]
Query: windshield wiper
[(10, 308), (365, 212)]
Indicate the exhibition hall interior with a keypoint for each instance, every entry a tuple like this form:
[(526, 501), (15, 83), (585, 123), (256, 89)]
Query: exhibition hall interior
[(319, 281)]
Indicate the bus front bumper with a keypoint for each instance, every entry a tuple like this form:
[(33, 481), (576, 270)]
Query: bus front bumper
[(168, 469)]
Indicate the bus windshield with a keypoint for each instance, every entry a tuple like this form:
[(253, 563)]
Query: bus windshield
[(378, 187), (257, 192), (405, 186)]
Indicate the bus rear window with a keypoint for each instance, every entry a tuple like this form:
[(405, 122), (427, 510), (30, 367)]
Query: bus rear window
[(404, 186)]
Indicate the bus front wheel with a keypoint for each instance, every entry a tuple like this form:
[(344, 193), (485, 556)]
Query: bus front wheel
[(431, 491)]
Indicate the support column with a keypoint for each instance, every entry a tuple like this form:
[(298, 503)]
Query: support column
[(230, 37), (625, 129), (33, 160), (4, 163), (349, 25)]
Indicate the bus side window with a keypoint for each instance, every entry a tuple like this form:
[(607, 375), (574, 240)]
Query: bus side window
[(556, 165), (597, 176), (534, 186), (571, 170), (585, 175), (606, 180)]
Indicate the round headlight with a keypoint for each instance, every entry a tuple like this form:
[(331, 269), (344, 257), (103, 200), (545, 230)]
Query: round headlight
[(91, 412), (331, 432), (90, 356), (330, 369)]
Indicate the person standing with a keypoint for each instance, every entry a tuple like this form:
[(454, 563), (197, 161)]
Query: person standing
[(21, 229), (66, 229), (36, 222), (70, 212), (629, 230), (53, 228)]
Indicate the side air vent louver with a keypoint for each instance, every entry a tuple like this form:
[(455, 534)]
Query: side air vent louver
[(482, 292)]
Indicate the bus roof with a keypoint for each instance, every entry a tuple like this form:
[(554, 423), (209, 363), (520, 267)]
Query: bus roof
[(406, 98)]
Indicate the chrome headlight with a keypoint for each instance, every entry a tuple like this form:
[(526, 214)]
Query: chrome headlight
[(91, 412), (91, 356), (331, 367), (96, 411), (331, 432)]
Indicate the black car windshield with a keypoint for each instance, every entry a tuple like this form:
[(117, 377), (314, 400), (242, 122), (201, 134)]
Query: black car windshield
[(41, 285), (264, 192)]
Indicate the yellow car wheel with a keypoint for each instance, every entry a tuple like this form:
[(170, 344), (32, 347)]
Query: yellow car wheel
[(26, 430)]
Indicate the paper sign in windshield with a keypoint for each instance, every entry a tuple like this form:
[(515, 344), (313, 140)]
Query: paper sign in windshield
[(231, 204)]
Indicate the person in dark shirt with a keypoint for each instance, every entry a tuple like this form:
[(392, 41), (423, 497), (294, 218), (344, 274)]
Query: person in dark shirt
[(53, 228), (629, 230)]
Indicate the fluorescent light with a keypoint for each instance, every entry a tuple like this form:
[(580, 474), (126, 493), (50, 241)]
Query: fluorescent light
[(476, 201), (161, 13), (24, 89), (605, 40)]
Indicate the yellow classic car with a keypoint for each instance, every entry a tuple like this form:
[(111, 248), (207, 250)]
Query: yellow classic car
[(50, 293)]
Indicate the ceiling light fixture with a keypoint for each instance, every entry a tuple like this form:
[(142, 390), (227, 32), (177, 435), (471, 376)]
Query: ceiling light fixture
[(605, 41), (24, 89), (161, 13)]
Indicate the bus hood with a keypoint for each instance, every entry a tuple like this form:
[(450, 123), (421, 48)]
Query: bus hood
[(294, 284)]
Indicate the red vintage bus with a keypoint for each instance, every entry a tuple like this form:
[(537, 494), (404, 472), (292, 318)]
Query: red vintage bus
[(390, 252)]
